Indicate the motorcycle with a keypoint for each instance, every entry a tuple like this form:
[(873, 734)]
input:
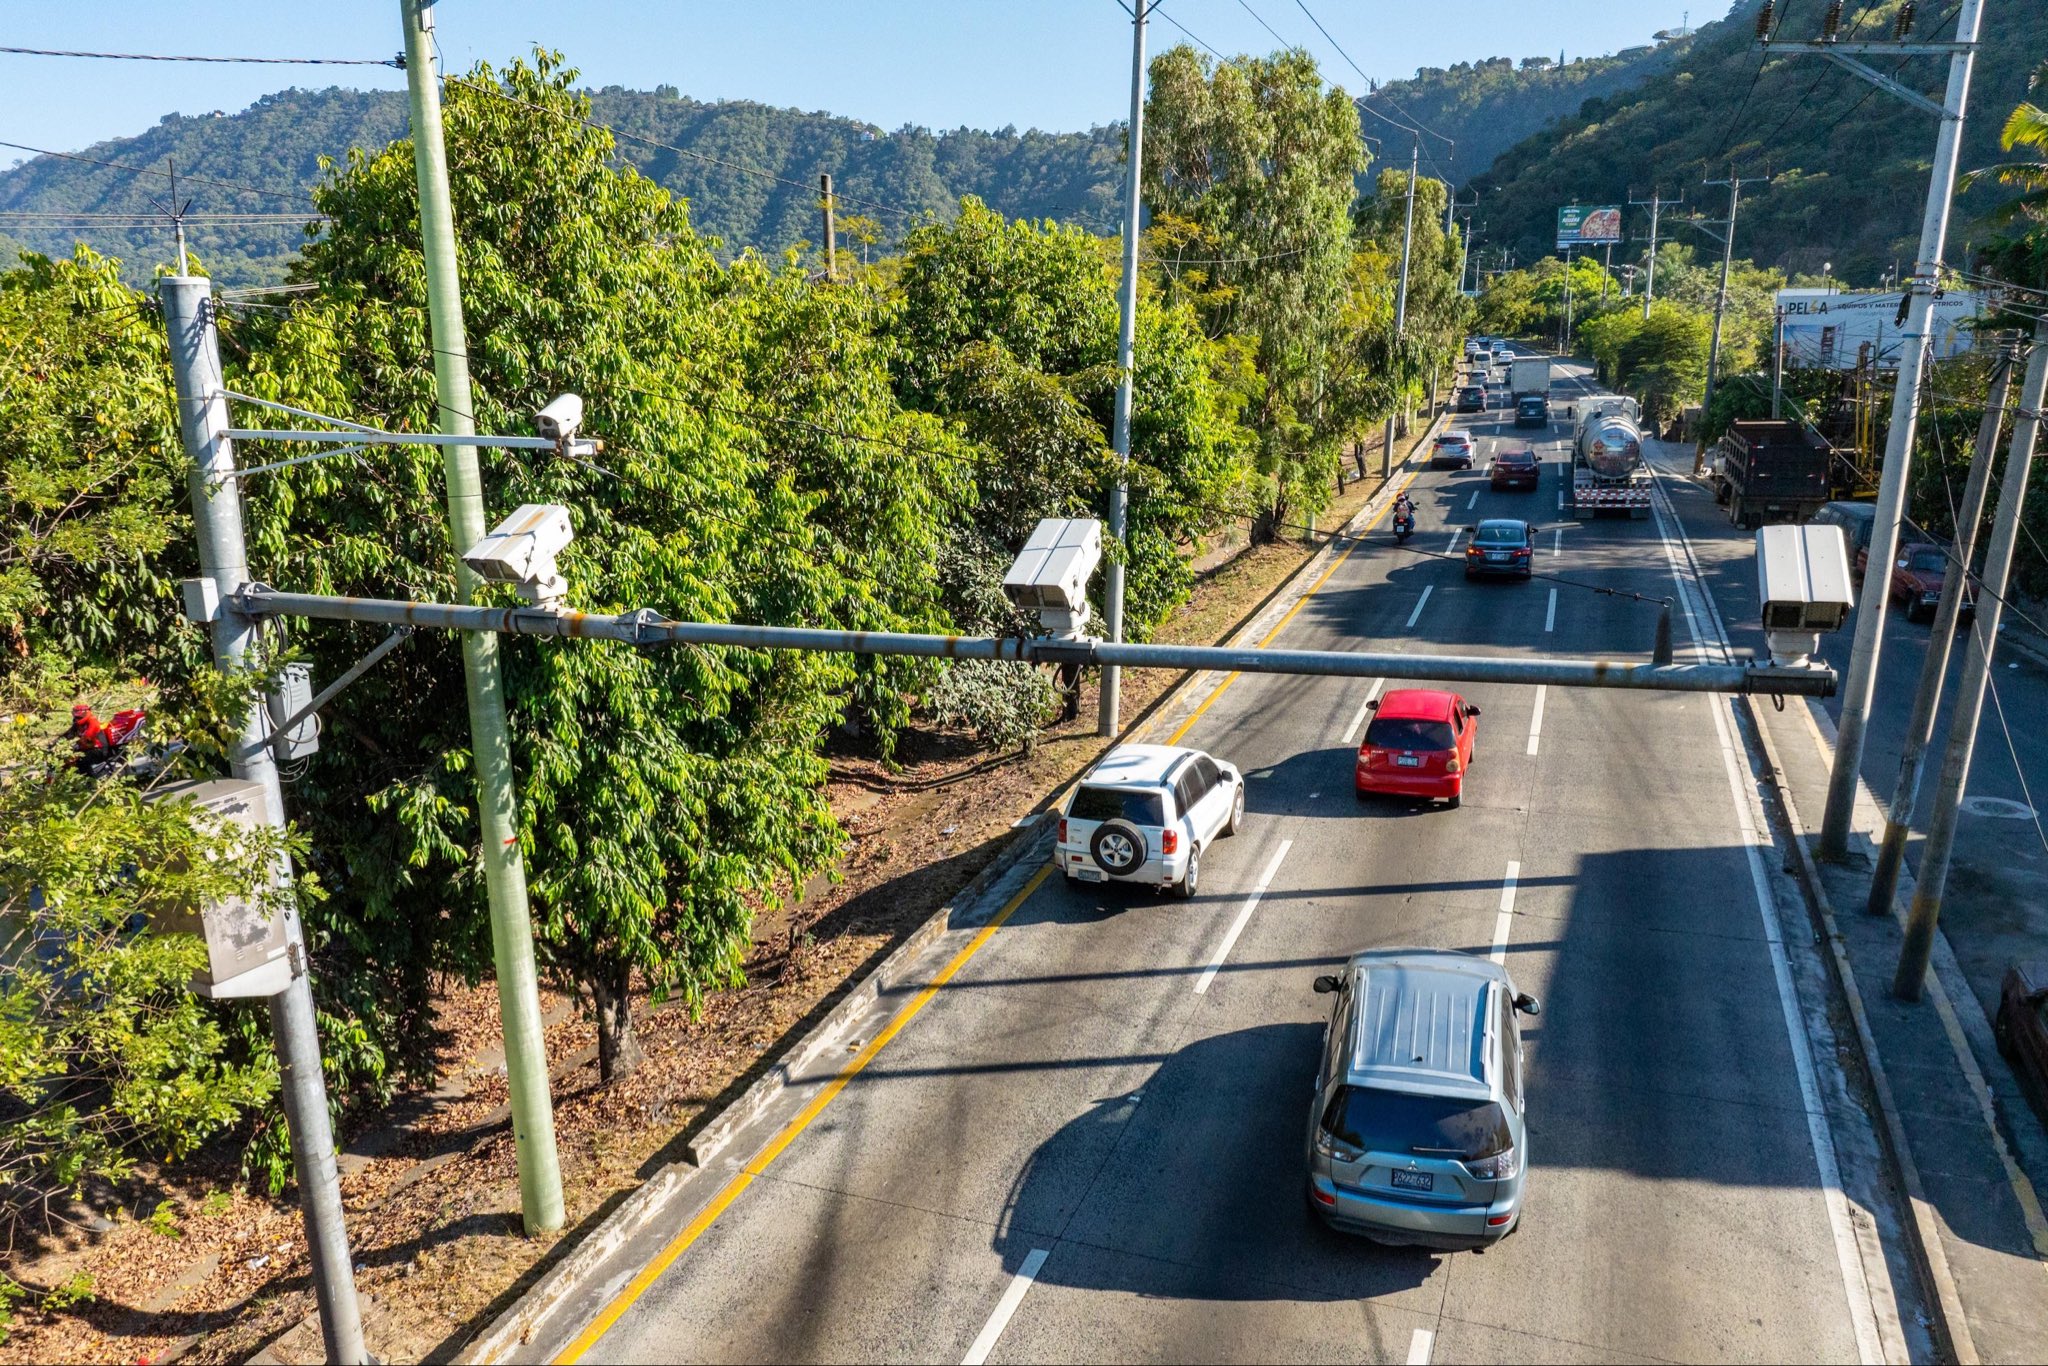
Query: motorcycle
[(100, 747), (1404, 527)]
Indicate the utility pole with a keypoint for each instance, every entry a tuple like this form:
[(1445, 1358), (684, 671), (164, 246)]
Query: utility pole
[(1401, 300), (1898, 454), (1778, 365), (1564, 336), (223, 557), (1734, 184), (1656, 203), (1925, 916), (1891, 852), (1606, 270), (1107, 720), (526, 1058), (831, 243)]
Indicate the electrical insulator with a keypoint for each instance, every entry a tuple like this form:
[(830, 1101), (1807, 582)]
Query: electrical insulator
[(1765, 17), (1903, 26), (1831, 22)]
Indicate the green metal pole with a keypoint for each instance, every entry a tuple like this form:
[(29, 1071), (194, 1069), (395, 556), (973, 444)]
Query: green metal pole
[(526, 1059)]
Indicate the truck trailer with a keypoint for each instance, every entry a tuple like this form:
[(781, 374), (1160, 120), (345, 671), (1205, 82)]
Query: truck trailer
[(1770, 471), (1607, 459), (1529, 375)]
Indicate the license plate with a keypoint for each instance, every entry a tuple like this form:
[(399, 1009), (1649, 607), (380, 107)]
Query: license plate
[(1496, 559), (1090, 874), (1408, 760), (1414, 1181)]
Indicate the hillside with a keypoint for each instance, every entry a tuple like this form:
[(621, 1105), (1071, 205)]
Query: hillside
[(276, 145), (1850, 162), (1487, 107)]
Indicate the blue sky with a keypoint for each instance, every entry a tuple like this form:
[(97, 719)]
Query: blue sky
[(1053, 64)]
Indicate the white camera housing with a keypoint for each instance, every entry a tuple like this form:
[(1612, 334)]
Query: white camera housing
[(521, 550), (560, 419), (1802, 576), (1050, 574)]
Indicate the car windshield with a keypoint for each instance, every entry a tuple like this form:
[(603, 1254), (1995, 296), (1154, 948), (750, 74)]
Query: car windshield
[(1928, 559), (1371, 1119), (1137, 805), (1516, 457), (1500, 533), (1408, 732)]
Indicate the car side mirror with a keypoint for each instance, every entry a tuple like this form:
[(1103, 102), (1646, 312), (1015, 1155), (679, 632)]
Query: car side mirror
[(1526, 1004), (1373, 704), (1471, 711), (1328, 983)]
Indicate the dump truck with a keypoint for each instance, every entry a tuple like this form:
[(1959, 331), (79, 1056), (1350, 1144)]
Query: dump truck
[(1768, 470)]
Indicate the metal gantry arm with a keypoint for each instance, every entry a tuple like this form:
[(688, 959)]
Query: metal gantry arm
[(648, 628)]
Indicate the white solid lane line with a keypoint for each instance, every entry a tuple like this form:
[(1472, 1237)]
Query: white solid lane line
[(1420, 602), (1363, 707), (1557, 537), (1550, 613), (1536, 720), (1504, 921), (1420, 1346), (1251, 903), (1005, 1307)]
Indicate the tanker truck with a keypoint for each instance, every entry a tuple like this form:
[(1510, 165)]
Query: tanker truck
[(1607, 458)]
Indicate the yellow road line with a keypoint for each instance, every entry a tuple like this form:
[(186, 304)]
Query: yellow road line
[(623, 1301), (1281, 625)]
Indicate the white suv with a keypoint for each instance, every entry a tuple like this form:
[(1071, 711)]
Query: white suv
[(1145, 813)]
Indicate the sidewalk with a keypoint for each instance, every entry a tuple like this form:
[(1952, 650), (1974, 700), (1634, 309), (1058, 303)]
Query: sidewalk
[(1963, 1136)]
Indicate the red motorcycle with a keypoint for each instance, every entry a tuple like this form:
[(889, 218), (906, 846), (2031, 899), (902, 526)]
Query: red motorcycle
[(101, 745)]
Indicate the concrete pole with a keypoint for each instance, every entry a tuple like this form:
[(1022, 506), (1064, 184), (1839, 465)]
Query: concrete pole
[(1407, 244), (1898, 451), (1778, 366), (1650, 273), (1107, 721), (1891, 852), (1606, 270), (526, 1058), (1925, 916), (1734, 184), (831, 243), (223, 557)]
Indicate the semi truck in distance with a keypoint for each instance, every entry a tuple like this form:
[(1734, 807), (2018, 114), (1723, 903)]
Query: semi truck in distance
[(1770, 471)]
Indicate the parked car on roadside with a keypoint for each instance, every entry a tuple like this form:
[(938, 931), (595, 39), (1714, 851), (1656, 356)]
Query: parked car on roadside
[(1417, 1132), (1145, 813), (1917, 578), (1420, 744), (2022, 1027)]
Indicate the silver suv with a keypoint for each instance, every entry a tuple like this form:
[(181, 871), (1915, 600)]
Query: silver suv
[(1416, 1134), (1145, 813)]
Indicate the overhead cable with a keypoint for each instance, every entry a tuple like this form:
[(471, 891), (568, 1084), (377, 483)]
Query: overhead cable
[(151, 170), (242, 61)]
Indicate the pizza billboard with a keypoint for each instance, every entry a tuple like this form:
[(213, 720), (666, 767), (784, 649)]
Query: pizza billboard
[(1588, 225)]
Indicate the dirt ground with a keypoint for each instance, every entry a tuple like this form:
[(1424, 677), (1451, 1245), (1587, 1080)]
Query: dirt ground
[(193, 1267)]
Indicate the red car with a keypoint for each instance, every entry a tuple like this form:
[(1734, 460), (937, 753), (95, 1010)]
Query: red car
[(1516, 470), (1418, 745)]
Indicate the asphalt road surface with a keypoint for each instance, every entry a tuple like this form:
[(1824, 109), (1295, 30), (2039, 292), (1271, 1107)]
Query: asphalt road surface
[(1089, 1147)]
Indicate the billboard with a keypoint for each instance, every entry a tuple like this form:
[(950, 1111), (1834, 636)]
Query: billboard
[(1831, 330), (1588, 225)]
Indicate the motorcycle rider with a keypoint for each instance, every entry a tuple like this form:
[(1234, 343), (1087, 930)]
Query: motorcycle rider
[(1404, 514)]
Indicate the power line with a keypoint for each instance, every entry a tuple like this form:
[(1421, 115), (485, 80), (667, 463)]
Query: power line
[(244, 61), (1159, 10), (1247, 7), (806, 186), (151, 170)]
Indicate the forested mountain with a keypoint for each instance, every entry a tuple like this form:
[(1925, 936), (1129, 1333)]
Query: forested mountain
[(1488, 106), (1849, 162), (893, 178)]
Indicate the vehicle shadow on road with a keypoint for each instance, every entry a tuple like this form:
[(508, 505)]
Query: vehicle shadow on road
[(1196, 1191), (1286, 788)]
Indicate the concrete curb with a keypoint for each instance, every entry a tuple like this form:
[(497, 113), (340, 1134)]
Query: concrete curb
[(658, 1192), (1950, 1326)]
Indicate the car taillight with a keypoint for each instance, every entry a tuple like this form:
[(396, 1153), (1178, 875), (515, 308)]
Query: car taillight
[(1452, 765), (1169, 840), (1063, 830), (1471, 550), (1500, 1167), (1522, 554)]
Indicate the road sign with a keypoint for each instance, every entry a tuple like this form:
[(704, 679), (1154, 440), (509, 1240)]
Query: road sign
[(1588, 225)]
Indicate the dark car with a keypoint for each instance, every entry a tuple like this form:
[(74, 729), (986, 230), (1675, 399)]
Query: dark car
[(1472, 399), (1501, 545), (1532, 410), (2022, 1027), (1515, 470)]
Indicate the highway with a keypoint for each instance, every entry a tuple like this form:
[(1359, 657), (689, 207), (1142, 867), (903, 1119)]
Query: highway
[(1087, 1145)]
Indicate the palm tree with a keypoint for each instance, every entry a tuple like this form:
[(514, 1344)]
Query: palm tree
[(2021, 255)]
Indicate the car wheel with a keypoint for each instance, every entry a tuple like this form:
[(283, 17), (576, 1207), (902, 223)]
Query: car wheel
[(1236, 821), (1190, 881), (1118, 847), (1457, 799)]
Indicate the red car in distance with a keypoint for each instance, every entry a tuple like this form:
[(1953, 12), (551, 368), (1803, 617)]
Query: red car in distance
[(1418, 745)]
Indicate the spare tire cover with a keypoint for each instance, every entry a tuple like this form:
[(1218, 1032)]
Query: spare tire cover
[(1118, 847)]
